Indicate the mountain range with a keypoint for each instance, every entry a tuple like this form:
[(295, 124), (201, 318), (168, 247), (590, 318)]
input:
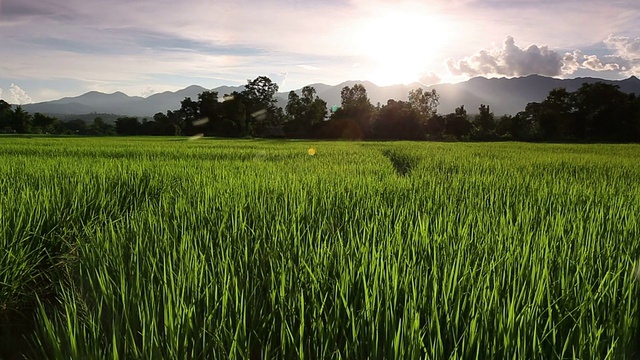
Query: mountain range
[(503, 95)]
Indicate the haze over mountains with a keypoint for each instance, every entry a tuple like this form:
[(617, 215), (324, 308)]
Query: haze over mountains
[(504, 96)]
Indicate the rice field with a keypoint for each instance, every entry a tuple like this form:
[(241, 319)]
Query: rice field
[(127, 248)]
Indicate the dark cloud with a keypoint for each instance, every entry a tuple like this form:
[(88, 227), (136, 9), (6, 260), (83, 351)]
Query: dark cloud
[(16, 9), (511, 60)]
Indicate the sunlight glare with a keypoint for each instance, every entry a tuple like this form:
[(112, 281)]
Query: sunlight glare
[(401, 45)]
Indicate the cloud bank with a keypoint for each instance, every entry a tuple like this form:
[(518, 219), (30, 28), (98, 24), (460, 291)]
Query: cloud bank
[(511, 60)]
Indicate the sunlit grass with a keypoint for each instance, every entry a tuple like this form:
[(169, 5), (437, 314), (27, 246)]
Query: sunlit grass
[(166, 248)]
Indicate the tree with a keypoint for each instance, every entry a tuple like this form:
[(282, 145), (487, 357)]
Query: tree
[(355, 115), (75, 127), (484, 123), (43, 123), (128, 125), (259, 97), (100, 127), (398, 120), (603, 112), (435, 126), (188, 113), (20, 120), (234, 111), (5, 116), (457, 124), (304, 112), (424, 103)]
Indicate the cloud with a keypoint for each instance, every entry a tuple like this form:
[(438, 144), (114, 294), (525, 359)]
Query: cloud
[(148, 91), (625, 59), (511, 60), (308, 67), (278, 78), (0, 93), (19, 96), (514, 61), (625, 47), (429, 79)]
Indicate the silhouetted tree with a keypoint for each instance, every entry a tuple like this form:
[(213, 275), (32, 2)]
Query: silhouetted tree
[(43, 123), (457, 124), (20, 120), (353, 119), (259, 97), (435, 127), (100, 127), (304, 112), (398, 120), (484, 123), (603, 112), (234, 111), (128, 125), (75, 127)]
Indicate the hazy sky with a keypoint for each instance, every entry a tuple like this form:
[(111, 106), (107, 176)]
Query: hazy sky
[(55, 48)]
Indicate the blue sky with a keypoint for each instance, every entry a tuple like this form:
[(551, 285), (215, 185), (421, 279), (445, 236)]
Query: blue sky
[(55, 48)]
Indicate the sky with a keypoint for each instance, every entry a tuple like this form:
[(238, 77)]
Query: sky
[(55, 48)]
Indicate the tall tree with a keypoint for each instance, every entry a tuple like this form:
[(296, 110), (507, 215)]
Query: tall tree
[(20, 120), (304, 112), (259, 96), (484, 123), (355, 115), (425, 103), (457, 124)]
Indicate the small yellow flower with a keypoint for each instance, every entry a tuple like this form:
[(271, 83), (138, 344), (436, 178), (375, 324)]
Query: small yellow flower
[(312, 151)]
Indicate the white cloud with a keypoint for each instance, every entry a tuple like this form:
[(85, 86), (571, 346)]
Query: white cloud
[(625, 59), (19, 96), (429, 79), (625, 47), (510, 60), (278, 78), (1, 94)]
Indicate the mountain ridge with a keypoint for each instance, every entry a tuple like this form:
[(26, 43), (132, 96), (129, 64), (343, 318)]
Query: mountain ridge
[(503, 95)]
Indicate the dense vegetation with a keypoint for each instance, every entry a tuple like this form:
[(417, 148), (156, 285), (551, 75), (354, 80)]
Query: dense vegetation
[(165, 248), (595, 112)]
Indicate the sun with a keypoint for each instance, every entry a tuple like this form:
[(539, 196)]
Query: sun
[(400, 45)]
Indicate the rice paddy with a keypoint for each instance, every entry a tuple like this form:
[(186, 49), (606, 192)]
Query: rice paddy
[(126, 248)]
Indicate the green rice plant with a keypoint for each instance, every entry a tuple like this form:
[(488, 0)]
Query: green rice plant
[(167, 248)]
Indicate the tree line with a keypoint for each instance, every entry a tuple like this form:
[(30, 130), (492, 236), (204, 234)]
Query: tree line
[(594, 112)]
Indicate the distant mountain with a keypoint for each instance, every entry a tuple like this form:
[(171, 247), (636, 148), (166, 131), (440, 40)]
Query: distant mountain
[(121, 104), (504, 96), (509, 96)]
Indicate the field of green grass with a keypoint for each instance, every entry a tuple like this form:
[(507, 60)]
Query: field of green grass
[(125, 248)]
